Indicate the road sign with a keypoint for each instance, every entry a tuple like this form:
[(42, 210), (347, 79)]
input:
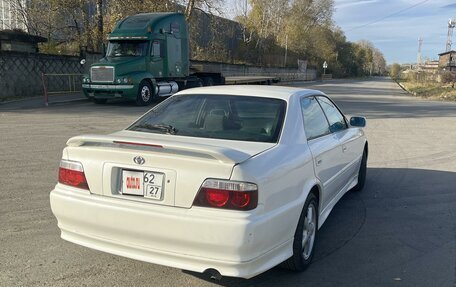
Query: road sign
[(325, 65)]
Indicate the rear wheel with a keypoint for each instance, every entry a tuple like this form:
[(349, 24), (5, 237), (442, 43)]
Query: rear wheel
[(305, 236), (208, 81), (362, 173), (145, 94)]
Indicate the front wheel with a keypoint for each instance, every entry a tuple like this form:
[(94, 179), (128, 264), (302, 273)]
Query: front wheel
[(145, 94), (305, 236)]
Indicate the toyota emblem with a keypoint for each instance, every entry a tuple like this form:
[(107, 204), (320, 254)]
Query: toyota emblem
[(139, 160)]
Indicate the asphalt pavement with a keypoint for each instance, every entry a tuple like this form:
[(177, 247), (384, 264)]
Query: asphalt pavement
[(399, 231)]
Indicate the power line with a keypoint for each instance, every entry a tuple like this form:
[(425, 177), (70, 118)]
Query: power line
[(390, 15)]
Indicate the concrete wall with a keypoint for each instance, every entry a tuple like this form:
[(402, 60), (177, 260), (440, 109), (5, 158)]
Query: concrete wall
[(20, 73), (285, 74)]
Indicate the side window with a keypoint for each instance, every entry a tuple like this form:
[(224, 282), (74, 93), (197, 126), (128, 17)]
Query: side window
[(175, 27), (315, 122), (335, 118), (156, 49)]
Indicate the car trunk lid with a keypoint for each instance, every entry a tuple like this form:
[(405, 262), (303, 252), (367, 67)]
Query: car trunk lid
[(179, 164)]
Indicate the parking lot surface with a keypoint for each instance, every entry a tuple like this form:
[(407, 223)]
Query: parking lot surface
[(399, 231)]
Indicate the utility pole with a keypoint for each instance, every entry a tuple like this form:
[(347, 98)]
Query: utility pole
[(451, 25), (418, 57)]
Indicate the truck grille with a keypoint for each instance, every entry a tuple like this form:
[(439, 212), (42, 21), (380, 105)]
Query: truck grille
[(102, 74)]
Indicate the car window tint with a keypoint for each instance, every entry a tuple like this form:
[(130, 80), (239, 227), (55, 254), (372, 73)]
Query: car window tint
[(335, 118), (217, 116), (315, 122)]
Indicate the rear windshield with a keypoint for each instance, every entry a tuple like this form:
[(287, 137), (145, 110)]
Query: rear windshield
[(241, 118)]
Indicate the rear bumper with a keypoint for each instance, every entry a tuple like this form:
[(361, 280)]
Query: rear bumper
[(191, 239), (107, 91)]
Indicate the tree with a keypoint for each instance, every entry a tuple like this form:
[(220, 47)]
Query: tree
[(207, 5), (395, 71), (100, 33)]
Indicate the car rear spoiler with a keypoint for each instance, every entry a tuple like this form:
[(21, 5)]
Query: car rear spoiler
[(222, 154)]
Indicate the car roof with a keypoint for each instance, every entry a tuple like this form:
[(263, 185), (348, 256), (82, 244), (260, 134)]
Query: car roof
[(279, 92)]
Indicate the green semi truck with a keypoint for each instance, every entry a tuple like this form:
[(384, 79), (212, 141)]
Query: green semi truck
[(147, 57)]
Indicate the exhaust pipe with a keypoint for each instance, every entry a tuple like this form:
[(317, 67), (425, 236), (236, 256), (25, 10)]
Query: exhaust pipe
[(213, 274)]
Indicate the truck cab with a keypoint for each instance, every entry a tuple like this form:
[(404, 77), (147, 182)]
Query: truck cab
[(147, 56)]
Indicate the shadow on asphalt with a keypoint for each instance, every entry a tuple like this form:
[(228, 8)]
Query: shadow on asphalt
[(400, 215)]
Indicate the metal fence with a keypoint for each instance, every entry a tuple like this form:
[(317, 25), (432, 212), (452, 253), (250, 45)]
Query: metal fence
[(54, 84)]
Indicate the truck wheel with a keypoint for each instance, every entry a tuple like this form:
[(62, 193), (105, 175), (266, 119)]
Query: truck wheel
[(208, 81), (145, 94)]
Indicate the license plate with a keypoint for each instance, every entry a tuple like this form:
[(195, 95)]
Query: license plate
[(144, 183)]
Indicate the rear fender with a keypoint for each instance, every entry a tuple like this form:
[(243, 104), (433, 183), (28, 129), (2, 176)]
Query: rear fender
[(308, 186)]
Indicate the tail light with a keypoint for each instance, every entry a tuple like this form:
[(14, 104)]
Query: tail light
[(72, 173), (227, 194)]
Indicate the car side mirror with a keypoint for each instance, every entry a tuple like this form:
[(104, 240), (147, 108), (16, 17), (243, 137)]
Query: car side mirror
[(358, 122)]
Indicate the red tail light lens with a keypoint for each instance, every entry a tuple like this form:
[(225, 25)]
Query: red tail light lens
[(217, 197), (72, 173), (227, 194), (240, 199)]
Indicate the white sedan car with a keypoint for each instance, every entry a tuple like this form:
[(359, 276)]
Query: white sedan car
[(228, 180)]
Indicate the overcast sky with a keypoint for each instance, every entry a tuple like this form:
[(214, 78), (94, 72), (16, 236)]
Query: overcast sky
[(394, 26)]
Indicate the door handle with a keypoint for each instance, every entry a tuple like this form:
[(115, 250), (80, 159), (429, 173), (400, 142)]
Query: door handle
[(344, 148), (318, 161)]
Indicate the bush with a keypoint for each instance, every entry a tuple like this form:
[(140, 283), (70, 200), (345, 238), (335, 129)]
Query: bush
[(448, 77), (412, 76), (395, 71)]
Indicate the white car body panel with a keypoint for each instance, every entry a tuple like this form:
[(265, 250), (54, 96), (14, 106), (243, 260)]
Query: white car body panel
[(175, 233)]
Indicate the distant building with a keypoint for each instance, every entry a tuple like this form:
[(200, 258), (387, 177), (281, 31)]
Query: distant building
[(10, 16), (430, 66), (447, 60)]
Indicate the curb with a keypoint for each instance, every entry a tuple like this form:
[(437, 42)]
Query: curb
[(17, 101), (42, 102), (404, 88), (69, 101), (295, 82)]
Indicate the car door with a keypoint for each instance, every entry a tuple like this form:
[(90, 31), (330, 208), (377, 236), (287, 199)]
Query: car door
[(325, 149), (349, 139)]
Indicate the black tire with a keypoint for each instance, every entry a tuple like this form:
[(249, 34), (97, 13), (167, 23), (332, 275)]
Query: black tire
[(100, 101), (208, 81), (362, 173), (145, 94), (303, 251)]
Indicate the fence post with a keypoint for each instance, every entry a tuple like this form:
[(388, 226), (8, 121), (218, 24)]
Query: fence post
[(43, 79)]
